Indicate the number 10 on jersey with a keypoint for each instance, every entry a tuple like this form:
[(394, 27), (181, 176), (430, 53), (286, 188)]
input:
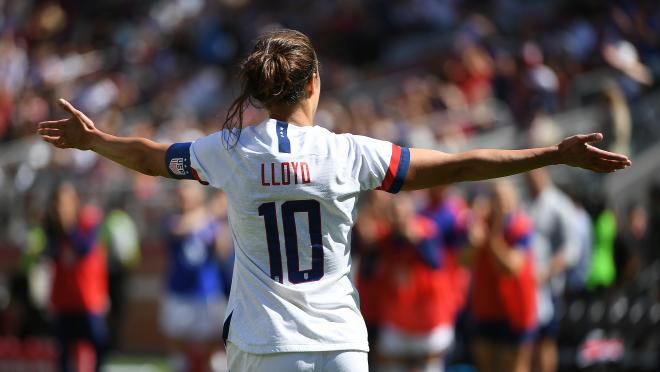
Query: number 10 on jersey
[(288, 211)]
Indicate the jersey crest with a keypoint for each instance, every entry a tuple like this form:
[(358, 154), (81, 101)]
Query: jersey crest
[(177, 166)]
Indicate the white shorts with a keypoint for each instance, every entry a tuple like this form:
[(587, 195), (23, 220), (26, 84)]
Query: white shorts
[(317, 361), (395, 342), (192, 319)]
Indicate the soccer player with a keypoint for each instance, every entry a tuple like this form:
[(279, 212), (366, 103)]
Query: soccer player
[(293, 189)]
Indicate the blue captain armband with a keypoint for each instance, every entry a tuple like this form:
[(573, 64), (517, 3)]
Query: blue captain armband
[(177, 160)]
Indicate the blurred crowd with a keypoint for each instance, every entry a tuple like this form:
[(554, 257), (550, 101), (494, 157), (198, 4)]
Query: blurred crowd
[(428, 73), (418, 72), (523, 276), (508, 278), (72, 280), (452, 59)]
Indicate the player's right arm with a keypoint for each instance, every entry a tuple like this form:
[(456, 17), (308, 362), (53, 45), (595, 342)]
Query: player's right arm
[(78, 131)]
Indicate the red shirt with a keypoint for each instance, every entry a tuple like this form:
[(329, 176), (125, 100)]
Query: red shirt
[(81, 281), (415, 297), (498, 296), (368, 280), (450, 216)]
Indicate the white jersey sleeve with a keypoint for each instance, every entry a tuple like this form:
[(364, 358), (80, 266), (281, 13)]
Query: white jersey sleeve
[(206, 151), (379, 164)]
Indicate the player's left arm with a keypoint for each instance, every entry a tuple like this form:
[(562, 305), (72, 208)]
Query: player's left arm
[(79, 132), (430, 167)]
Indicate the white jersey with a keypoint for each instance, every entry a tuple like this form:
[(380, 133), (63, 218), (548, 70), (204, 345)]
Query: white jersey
[(292, 195)]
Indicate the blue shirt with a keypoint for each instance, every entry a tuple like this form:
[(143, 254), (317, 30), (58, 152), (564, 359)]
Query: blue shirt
[(194, 269)]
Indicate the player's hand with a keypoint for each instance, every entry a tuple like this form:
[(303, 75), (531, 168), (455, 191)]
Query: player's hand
[(74, 132), (577, 152), (478, 234)]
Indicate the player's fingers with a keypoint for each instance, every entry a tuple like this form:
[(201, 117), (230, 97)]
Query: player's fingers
[(52, 123), (593, 137), (616, 163), (74, 111), (608, 155), (611, 162), (53, 132), (601, 168), (67, 106), (50, 139), (611, 167)]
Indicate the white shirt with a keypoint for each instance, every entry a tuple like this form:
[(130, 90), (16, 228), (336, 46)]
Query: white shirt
[(554, 233), (292, 195)]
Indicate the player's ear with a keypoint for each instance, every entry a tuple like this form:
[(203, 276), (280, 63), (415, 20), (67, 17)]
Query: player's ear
[(309, 86)]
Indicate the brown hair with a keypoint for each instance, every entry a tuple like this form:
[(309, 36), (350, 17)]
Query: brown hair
[(276, 72)]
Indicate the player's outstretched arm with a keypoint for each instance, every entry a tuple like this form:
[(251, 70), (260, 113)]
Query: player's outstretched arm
[(430, 168), (79, 132)]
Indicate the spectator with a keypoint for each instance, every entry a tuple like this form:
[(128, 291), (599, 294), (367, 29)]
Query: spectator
[(194, 304), (602, 273), (652, 254), (417, 313), (576, 276), (556, 248), (79, 297), (30, 287), (618, 122), (450, 214), (224, 240), (504, 284), (371, 228), (630, 244), (121, 238)]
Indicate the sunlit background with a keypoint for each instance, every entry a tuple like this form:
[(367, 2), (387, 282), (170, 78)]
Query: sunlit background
[(445, 74)]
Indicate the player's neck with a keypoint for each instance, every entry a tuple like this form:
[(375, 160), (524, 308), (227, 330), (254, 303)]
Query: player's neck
[(300, 114)]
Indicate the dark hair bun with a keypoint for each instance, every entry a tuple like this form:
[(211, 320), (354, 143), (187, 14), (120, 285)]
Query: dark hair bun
[(274, 78), (276, 72), (278, 68)]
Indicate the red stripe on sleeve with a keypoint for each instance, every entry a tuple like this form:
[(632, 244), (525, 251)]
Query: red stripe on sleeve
[(391, 170), (196, 175)]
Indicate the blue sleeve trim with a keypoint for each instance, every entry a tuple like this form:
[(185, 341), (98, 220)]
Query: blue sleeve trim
[(177, 160), (401, 171)]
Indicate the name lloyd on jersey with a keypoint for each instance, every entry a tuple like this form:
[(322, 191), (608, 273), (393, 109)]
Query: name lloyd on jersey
[(285, 173)]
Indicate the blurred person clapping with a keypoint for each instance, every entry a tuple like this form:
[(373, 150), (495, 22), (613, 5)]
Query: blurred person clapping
[(504, 288), (79, 296), (194, 303), (417, 316)]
